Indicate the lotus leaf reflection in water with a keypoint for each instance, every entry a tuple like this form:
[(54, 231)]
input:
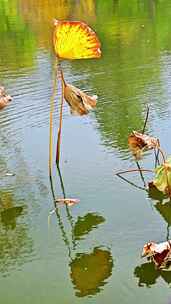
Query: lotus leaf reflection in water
[(89, 271), (86, 224)]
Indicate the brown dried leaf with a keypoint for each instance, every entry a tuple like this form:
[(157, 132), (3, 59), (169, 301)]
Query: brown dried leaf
[(79, 102), (4, 98), (67, 201), (146, 140), (160, 253), (139, 142)]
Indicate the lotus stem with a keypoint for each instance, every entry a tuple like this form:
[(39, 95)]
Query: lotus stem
[(60, 121), (52, 101)]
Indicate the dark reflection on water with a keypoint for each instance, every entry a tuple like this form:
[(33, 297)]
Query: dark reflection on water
[(86, 223), (163, 205), (15, 243), (89, 271), (147, 275)]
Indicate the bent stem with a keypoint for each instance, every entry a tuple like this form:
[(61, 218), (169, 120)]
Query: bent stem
[(60, 120), (134, 170), (52, 101), (131, 183), (156, 155)]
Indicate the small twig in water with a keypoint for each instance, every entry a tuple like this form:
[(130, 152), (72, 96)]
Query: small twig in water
[(146, 119)]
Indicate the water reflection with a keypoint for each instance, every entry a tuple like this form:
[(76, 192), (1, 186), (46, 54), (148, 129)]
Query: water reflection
[(89, 271), (17, 40), (133, 43), (147, 275), (15, 244), (163, 206), (86, 224), (48, 10), (134, 37)]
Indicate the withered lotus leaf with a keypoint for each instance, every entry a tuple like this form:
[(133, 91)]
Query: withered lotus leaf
[(160, 253), (143, 140), (79, 102), (139, 142), (162, 179), (67, 201), (75, 40)]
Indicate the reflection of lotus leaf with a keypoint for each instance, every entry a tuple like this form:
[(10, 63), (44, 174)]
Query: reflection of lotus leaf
[(8, 216), (165, 211), (89, 271), (86, 224), (15, 244), (155, 194), (148, 275)]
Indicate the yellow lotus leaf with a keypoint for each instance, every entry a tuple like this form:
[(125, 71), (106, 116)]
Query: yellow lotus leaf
[(75, 40)]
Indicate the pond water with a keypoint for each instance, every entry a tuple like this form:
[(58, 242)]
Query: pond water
[(91, 251)]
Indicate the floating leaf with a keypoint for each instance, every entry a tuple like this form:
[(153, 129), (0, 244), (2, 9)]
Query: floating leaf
[(162, 180), (75, 40), (67, 201), (79, 102)]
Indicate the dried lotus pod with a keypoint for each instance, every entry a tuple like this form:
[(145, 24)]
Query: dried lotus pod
[(79, 102)]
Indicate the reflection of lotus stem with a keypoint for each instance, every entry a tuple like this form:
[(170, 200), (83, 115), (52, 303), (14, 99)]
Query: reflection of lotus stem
[(60, 121), (129, 182), (52, 99), (141, 175), (60, 223), (134, 170), (69, 216)]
